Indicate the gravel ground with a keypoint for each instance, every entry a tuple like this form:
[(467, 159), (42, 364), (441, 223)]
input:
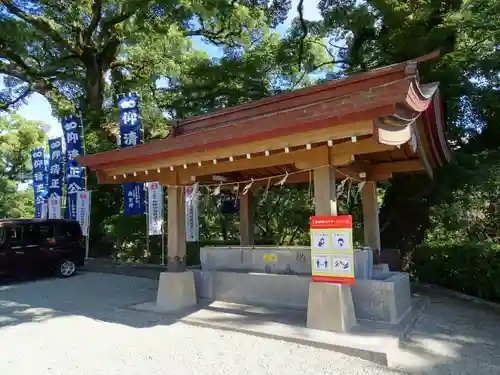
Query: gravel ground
[(83, 326)]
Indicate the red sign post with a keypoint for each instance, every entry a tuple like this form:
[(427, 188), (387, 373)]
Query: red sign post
[(332, 251)]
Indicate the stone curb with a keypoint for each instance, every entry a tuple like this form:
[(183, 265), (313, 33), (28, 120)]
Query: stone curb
[(149, 271), (91, 261), (495, 307), (416, 313)]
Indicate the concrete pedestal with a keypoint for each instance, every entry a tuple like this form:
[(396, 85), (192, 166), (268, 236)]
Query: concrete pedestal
[(176, 291), (381, 267), (330, 307)]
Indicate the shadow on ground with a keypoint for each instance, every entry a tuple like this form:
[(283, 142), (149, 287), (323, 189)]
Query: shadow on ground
[(92, 295), (451, 336)]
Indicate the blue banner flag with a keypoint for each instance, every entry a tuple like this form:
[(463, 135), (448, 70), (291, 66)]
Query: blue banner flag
[(55, 168), (39, 180), (130, 135), (229, 204), (75, 175)]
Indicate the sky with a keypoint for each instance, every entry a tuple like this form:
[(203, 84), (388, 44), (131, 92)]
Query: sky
[(38, 108)]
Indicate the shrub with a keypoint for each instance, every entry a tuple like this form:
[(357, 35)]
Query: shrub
[(473, 268)]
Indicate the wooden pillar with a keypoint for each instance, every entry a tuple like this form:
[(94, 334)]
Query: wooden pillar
[(329, 306), (176, 255), (246, 220), (370, 216), (325, 194)]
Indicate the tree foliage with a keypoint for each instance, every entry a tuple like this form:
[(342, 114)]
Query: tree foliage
[(17, 138), (64, 50), (80, 56)]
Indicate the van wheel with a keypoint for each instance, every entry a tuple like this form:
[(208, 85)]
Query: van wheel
[(66, 268)]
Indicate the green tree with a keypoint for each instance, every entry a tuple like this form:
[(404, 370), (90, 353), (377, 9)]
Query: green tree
[(64, 50), (80, 55), (263, 67), (17, 138), (369, 34)]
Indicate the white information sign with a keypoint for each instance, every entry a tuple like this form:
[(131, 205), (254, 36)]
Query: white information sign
[(55, 207), (192, 224), (83, 211), (155, 208), (44, 209)]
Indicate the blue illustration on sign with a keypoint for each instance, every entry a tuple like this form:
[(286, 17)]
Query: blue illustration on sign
[(39, 180), (130, 136), (75, 175)]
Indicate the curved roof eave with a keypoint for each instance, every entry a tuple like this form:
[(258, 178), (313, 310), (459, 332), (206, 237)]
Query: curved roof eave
[(389, 96)]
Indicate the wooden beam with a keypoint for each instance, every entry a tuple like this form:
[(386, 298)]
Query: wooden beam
[(342, 173), (336, 161), (165, 177), (169, 178), (318, 155), (101, 177), (341, 160), (362, 146), (379, 176), (397, 167), (374, 172), (314, 136)]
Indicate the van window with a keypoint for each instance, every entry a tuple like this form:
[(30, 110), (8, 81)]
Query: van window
[(46, 231), (68, 230), (31, 234), (17, 234), (3, 235)]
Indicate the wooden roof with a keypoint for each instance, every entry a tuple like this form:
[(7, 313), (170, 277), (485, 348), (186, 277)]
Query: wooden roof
[(394, 118)]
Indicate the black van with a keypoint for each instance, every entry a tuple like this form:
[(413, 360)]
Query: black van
[(37, 246)]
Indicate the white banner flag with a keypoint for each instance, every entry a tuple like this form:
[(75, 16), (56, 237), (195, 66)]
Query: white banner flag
[(83, 210), (44, 209), (55, 207), (155, 208), (192, 225)]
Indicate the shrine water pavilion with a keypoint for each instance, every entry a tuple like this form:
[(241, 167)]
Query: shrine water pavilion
[(368, 126)]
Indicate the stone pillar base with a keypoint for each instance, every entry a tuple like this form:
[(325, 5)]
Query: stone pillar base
[(330, 307), (176, 291)]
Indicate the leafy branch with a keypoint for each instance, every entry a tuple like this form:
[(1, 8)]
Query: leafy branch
[(217, 37), (303, 25), (38, 23), (96, 18), (126, 12), (4, 106)]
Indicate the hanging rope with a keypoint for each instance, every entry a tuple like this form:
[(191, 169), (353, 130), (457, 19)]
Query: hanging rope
[(283, 178)]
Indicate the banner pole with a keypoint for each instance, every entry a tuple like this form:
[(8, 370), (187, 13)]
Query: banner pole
[(87, 238), (162, 243), (162, 227), (83, 145), (146, 210)]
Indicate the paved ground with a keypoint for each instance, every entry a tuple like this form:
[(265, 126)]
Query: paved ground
[(83, 326)]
